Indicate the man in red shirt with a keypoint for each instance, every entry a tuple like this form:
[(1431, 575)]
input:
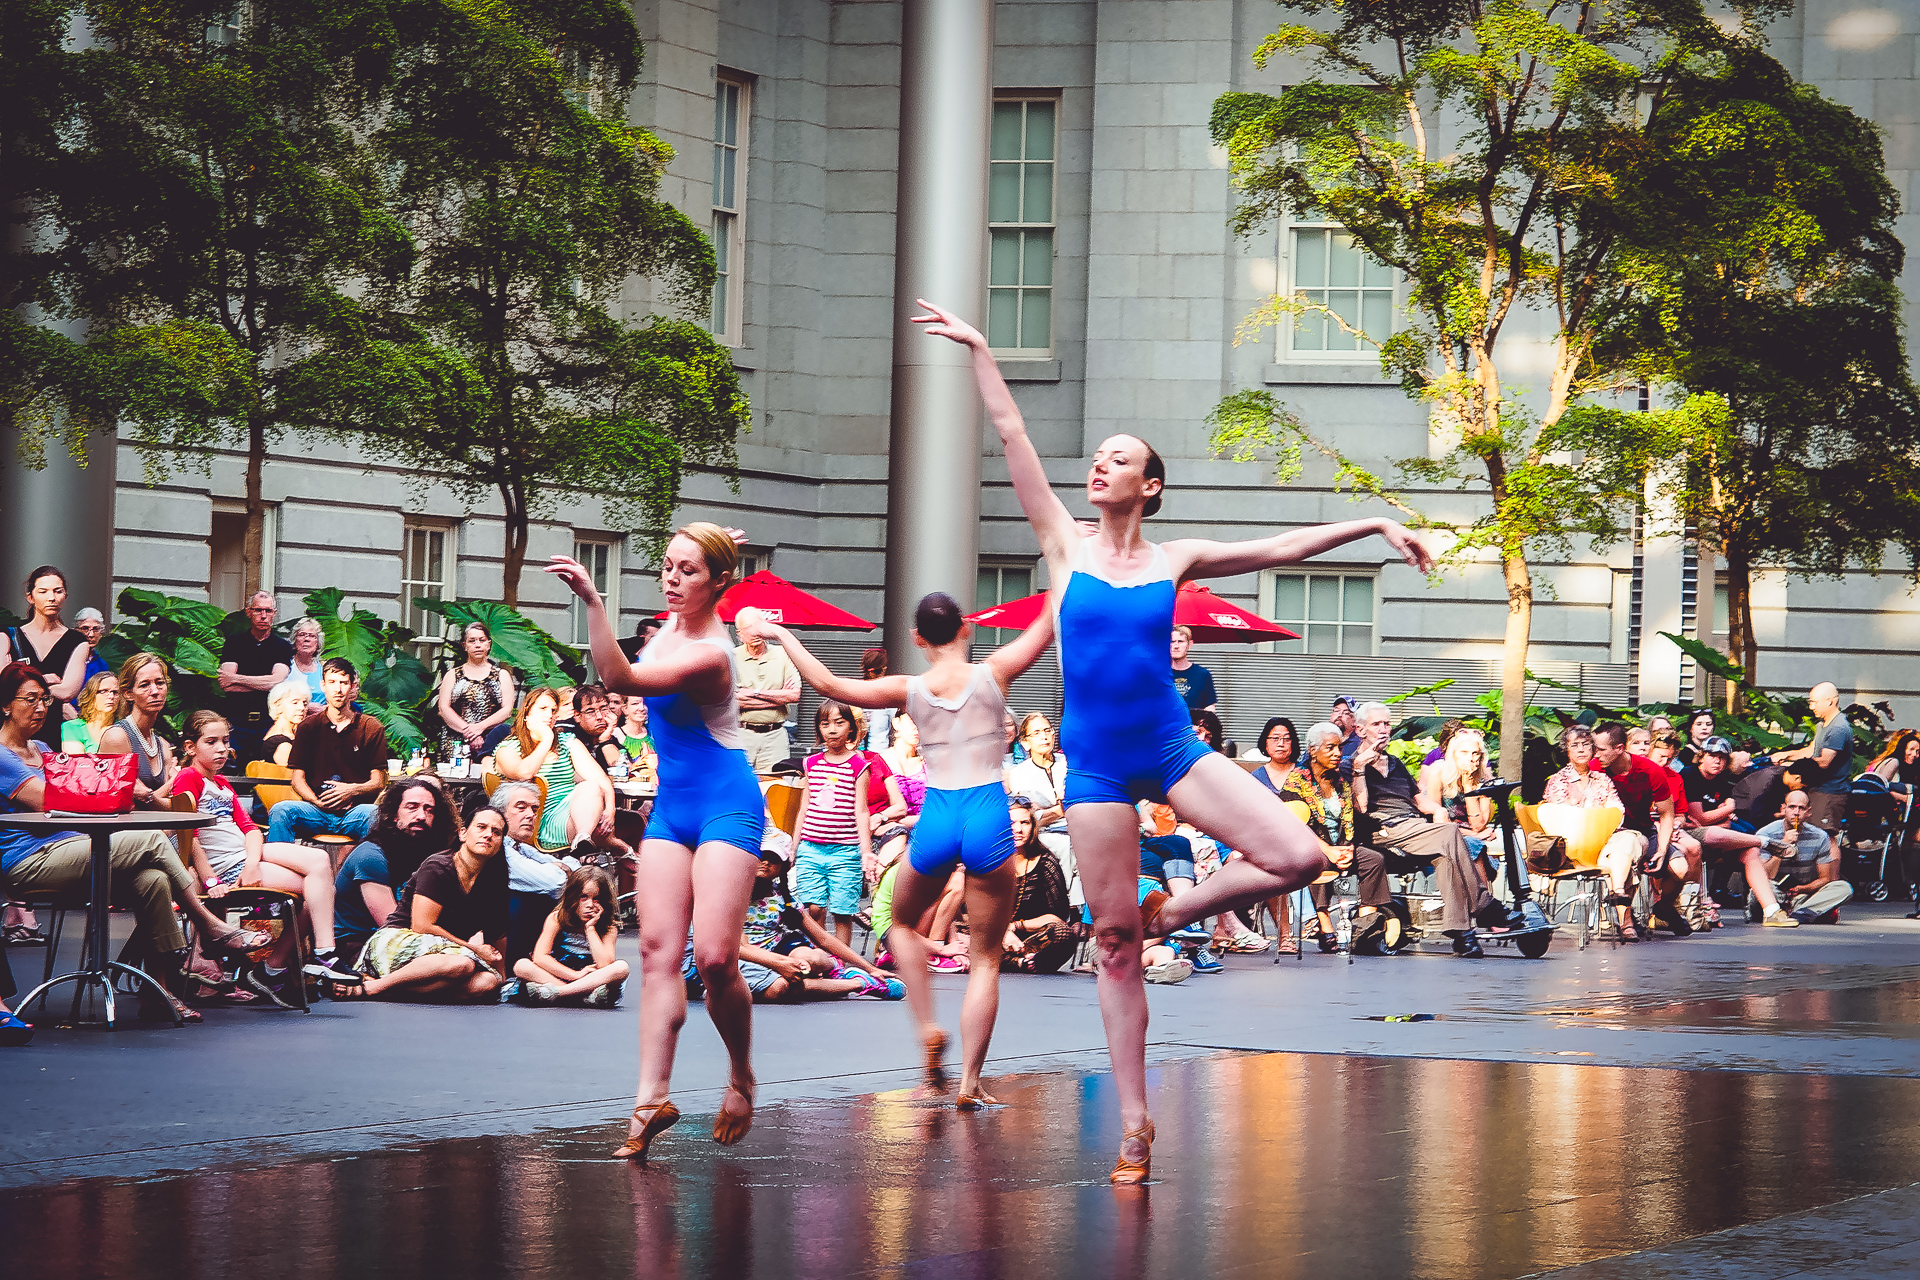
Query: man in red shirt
[(1647, 796)]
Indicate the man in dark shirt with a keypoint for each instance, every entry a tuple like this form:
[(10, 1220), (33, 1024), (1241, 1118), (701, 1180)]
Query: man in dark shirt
[(415, 821), (251, 663), (339, 763), (444, 938), (1396, 813), (1646, 794), (1709, 784), (1193, 681)]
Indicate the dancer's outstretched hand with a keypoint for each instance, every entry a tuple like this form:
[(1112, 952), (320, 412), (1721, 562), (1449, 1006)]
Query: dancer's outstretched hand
[(942, 323), (575, 575), (750, 623), (1412, 548)]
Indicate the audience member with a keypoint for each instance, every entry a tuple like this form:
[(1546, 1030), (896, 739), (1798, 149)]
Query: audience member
[(1440, 742), (1398, 825), (147, 874), (1694, 735), (1648, 799), (476, 697), (1663, 750), (233, 853), (251, 663), (573, 959), (643, 631), (1342, 717), (414, 819), (1808, 855), (307, 640), (535, 877), (579, 799), (99, 707), (1039, 940), (1708, 787), (144, 682), (1584, 787), (636, 743), (1160, 962), (1193, 682), (443, 940), (835, 849), (768, 688), (339, 764), (1323, 799), (593, 725), (1207, 728), (1280, 749), (1829, 757), (904, 755), (1639, 739), (44, 642), (1042, 780), (874, 665), (786, 955), (1447, 781), (92, 626), (1899, 767), (288, 704)]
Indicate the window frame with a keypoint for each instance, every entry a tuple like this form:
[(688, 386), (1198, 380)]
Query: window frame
[(727, 223), (429, 638), (998, 566), (1289, 272), (269, 542), (612, 544), (1270, 608), (1051, 226)]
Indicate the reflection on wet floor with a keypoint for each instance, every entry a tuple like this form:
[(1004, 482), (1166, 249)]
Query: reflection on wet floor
[(1276, 1165), (1886, 1009)]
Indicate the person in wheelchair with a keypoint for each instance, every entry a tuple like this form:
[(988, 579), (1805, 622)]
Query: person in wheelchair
[(1323, 800), (1809, 864)]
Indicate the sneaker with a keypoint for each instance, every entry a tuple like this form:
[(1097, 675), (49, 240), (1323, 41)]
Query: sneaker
[(615, 990), (1779, 919), (1204, 961), (510, 989), (1670, 916), (601, 997), (1195, 932), (1250, 943), (944, 964), (326, 966), (876, 987), (1171, 972), (539, 993), (1778, 848)]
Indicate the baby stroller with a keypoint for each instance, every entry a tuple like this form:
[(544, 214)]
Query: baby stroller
[(1869, 836)]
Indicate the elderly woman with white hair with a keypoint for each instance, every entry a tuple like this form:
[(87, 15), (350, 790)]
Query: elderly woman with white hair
[(287, 705), (1323, 799), (307, 641)]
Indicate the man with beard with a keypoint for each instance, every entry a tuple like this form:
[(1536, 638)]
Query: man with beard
[(414, 820)]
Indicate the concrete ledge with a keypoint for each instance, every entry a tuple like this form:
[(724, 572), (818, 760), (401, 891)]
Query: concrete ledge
[(1326, 375), (1030, 370)]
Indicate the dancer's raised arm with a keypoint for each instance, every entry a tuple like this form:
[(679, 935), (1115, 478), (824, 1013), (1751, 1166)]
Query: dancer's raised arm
[(700, 670), (1011, 660), (1202, 558), (1045, 512), (887, 691)]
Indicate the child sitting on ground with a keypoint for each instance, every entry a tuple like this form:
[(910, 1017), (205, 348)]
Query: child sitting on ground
[(574, 962)]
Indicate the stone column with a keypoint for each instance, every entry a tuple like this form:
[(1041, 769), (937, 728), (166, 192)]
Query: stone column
[(60, 515), (940, 242)]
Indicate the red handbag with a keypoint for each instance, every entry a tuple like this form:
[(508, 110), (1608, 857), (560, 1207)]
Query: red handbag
[(90, 784)]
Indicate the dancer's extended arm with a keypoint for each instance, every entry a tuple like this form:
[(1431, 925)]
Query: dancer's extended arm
[(700, 670), (1203, 558), (1045, 512), (1012, 659), (887, 691)]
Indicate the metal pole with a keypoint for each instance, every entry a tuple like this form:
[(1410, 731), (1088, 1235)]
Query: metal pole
[(940, 245)]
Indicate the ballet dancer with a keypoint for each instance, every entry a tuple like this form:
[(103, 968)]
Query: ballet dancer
[(1124, 726), (701, 849), (960, 708)]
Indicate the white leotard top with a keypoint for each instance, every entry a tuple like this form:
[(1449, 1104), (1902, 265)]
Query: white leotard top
[(964, 741), (720, 719)]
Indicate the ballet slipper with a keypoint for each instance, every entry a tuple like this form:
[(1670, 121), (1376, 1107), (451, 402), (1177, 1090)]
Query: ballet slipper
[(655, 1118), (977, 1099), (935, 1043), (730, 1126), (1150, 905), (1128, 1173)]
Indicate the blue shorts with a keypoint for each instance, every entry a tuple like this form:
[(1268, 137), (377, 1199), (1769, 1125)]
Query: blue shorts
[(970, 827), (1163, 856), (736, 815), (1127, 774), (828, 875)]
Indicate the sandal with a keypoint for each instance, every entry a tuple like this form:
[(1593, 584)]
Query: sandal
[(240, 941), (936, 1049), (1128, 1173), (348, 991), (975, 1101), (658, 1118), (1286, 946), (729, 1127)]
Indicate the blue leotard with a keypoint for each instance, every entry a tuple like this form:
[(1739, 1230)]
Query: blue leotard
[(708, 790), (964, 818), (1124, 729)]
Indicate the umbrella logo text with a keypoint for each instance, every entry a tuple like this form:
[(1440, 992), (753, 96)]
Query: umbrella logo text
[(1229, 620)]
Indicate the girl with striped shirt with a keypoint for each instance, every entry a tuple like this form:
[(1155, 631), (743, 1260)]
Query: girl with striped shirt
[(835, 826)]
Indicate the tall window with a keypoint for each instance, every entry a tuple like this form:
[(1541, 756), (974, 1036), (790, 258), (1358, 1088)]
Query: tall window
[(1333, 612), (1020, 212), (424, 573), (601, 559), (751, 561), (729, 197), (1001, 581), (1330, 268)]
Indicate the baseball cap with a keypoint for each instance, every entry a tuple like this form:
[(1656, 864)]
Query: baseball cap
[(1717, 746)]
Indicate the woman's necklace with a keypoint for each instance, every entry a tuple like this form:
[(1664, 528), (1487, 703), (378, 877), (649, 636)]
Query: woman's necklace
[(149, 746)]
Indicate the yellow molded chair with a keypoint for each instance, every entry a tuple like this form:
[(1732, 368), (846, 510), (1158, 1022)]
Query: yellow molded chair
[(1586, 832), (337, 846), (783, 802)]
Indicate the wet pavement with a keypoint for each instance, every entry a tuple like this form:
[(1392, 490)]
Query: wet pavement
[(1607, 1111)]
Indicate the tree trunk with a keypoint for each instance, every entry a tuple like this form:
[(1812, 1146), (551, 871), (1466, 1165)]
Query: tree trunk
[(254, 547), (1741, 645), (516, 548), (1513, 665)]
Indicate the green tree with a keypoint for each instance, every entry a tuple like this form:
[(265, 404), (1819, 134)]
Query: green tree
[(1767, 267), (1480, 148), (506, 366), (189, 193)]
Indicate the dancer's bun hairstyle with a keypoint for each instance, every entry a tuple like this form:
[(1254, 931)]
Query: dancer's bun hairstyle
[(717, 548), (1156, 469), (937, 618)]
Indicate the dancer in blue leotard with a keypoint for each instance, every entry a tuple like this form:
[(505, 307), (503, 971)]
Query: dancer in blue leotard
[(701, 851), (960, 709), (1124, 727)]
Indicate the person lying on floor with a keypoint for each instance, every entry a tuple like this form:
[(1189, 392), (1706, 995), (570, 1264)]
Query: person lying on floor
[(443, 941), (786, 955), (573, 960)]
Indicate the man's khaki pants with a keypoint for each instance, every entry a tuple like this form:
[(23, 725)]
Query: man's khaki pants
[(765, 750), (1463, 890)]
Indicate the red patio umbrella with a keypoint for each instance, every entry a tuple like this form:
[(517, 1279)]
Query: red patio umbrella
[(1214, 621), (787, 605)]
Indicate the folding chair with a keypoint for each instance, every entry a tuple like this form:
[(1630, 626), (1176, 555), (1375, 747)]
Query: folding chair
[(1586, 832)]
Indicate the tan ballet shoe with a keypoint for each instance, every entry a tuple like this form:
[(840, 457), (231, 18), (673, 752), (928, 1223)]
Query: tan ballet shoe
[(1129, 1173), (654, 1118), (729, 1127)]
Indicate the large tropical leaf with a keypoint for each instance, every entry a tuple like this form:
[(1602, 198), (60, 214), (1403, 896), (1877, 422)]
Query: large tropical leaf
[(349, 638), (518, 642), (403, 734)]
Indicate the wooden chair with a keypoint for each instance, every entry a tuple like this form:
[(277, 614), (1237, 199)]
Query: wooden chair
[(337, 846), (183, 840), (1586, 832)]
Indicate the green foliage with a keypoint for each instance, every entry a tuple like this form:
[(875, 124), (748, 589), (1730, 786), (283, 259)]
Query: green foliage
[(536, 657), (395, 686), (187, 633)]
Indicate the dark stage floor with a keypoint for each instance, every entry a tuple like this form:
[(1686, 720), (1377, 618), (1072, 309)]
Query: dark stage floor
[(1268, 1165)]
